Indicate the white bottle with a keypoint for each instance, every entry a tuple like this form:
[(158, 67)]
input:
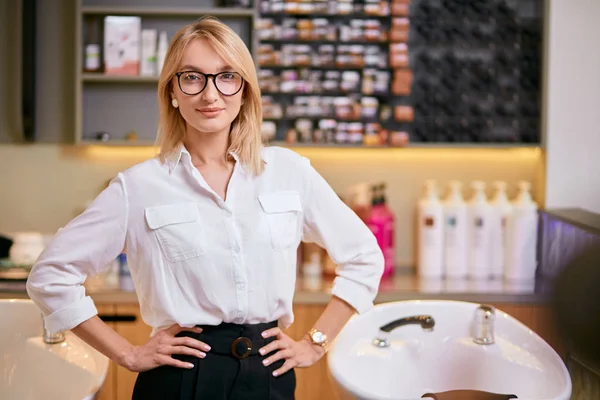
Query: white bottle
[(312, 271), (522, 227), (163, 45), (148, 56), (500, 211), (313, 267), (479, 229), (431, 233), (455, 233)]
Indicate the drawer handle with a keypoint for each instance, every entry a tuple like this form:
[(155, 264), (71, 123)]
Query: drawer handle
[(118, 318)]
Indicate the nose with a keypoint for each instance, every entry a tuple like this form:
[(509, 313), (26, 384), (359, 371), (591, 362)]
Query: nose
[(210, 94)]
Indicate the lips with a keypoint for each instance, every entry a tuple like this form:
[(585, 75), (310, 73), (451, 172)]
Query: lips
[(210, 112)]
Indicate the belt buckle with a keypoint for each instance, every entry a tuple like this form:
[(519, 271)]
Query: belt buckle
[(248, 344)]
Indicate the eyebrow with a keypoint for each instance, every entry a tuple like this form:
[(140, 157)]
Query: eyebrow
[(189, 67)]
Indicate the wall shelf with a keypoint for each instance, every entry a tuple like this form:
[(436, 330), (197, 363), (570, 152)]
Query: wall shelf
[(116, 143), (324, 94), (326, 67), (119, 104), (421, 145), (118, 78), (319, 42), (322, 15), (164, 11), (317, 118)]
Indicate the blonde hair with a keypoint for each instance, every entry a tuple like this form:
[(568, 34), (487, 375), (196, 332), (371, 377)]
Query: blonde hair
[(245, 133)]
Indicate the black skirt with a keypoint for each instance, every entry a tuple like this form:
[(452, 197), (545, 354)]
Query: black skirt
[(228, 372)]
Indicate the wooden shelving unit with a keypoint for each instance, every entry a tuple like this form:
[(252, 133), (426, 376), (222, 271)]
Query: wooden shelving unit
[(90, 77), (168, 11), (414, 145), (114, 143), (121, 104)]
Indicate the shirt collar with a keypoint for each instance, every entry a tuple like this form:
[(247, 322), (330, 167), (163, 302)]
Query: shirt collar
[(174, 158)]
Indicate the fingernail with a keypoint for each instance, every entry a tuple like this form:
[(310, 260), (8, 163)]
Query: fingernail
[(202, 355), (262, 352), (190, 365), (266, 362), (207, 347), (264, 334), (275, 373)]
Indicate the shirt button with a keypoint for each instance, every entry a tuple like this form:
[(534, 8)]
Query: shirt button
[(240, 286)]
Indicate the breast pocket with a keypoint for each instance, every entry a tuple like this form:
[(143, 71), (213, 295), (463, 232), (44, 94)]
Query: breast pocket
[(178, 230), (282, 211)]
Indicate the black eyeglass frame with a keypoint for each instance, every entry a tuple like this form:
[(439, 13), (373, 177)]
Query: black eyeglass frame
[(206, 76)]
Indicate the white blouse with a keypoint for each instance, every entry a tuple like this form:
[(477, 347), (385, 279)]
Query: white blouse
[(196, 259)]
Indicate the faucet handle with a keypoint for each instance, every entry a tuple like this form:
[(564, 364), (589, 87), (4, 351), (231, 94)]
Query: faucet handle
[(51, 338), (483, 324), (485, 312)]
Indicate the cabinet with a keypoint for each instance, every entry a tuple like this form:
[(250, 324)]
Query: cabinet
[(123, 105), (108, 390), (312, 383), (433, 71), (426, 73), (125, 319)]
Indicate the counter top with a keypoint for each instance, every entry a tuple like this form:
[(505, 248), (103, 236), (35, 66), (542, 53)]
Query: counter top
[(586, 220), (403, 286)]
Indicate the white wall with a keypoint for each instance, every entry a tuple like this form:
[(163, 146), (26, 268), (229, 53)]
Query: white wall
[(573, 105)]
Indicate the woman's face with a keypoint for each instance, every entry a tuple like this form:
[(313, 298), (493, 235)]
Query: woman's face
[(211, 110)]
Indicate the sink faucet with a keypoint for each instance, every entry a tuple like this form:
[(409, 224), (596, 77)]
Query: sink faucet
[(383, 338), (52, 338), (483, 324)]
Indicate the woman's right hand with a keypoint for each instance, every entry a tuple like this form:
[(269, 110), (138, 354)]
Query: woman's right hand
[(159, 349)]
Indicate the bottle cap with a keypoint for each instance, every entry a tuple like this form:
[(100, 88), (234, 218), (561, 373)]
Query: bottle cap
[(362, 195), (478, 185), (430, 188), (454, 184), (500, 185), (524, 186)]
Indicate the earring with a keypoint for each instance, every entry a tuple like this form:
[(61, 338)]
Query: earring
[(175, 103)]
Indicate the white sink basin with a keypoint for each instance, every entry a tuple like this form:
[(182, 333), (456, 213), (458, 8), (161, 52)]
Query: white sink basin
[(419, 362), (33, 370)]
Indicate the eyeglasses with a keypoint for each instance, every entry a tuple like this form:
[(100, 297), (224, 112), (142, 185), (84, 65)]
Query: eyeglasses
[(193, 82)]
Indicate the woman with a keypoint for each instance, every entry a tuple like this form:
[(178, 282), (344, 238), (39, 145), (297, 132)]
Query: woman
[(210, 228)]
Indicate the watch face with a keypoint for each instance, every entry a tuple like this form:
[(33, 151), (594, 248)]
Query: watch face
[(318, 337)]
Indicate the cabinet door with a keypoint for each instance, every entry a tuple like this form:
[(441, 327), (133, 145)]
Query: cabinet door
[(108, 389), (132, 328), (313, 382)]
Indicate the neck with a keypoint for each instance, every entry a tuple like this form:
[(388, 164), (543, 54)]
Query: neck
[(207, 147)]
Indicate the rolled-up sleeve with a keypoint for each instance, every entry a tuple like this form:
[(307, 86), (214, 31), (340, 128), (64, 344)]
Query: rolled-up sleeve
[(84, 247), (331, 224)]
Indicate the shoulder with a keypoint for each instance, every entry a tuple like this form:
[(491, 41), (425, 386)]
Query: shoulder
[(280, 158), (145, 169), (141, 175)]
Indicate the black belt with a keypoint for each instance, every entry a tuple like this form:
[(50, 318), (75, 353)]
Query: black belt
[(240, 347), (237, 340)]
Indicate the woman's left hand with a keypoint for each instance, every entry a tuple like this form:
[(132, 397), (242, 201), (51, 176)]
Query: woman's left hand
[(299, 354)]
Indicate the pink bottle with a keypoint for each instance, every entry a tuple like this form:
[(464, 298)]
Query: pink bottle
[(381, 222)]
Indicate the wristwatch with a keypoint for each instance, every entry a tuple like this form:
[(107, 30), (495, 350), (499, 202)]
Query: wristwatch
[(319, 338)]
